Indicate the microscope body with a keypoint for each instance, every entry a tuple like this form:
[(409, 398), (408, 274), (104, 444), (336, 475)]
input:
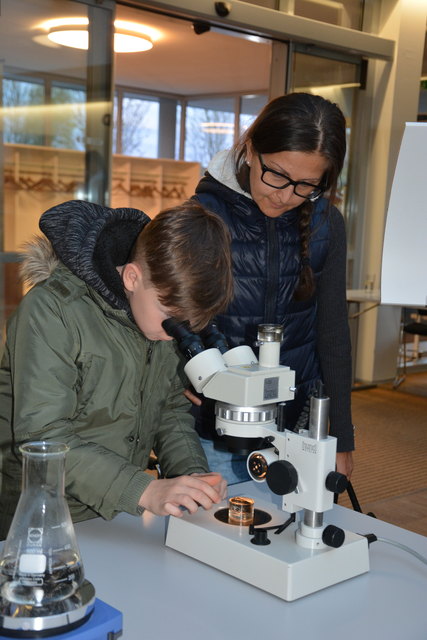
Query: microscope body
[(300, 467), (297, 466)]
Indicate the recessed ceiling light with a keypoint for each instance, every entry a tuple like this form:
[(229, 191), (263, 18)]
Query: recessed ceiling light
[(129, 37)]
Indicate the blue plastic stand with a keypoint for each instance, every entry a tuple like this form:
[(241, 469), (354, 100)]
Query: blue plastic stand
[(105, 623)]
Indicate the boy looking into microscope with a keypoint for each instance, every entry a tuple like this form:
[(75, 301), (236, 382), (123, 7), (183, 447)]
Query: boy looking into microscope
[(88, 363)]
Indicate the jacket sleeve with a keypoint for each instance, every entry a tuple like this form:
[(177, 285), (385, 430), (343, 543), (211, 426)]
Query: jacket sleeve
[(176, 443), (42, 346), (334, 346)]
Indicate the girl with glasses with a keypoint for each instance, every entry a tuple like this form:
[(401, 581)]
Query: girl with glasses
[(276, 191)]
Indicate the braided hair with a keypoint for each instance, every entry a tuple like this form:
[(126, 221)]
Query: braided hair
[(298, 122)]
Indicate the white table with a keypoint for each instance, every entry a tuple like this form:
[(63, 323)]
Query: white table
[(165, 595)]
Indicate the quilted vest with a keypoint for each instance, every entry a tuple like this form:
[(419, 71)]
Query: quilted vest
[(266, 265)]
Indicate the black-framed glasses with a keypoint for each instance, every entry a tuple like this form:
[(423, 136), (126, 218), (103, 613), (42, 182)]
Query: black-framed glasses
[(279, 181)]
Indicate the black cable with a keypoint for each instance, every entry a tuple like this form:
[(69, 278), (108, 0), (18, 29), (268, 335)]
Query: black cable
[(277, 527)]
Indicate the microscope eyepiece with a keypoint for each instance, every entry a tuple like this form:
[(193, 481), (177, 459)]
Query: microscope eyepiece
[(189, 343), (212, 337)]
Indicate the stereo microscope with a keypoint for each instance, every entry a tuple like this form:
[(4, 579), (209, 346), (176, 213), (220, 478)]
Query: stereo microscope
[(290, 558)]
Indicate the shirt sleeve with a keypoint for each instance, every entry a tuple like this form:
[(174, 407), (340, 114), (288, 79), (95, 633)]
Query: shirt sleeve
[(333, 343)]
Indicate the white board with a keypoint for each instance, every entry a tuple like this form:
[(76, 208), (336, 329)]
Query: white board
[(404, 262)]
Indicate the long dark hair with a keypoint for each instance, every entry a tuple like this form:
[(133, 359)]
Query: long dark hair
[(298, 122)]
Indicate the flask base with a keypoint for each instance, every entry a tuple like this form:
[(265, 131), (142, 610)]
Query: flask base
[(23, 621)]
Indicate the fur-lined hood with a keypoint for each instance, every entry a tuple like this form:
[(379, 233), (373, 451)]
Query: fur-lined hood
[(91, 240), (39, 261)]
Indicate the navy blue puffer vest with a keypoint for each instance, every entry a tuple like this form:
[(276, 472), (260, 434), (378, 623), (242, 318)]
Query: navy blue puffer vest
[(266, 263)]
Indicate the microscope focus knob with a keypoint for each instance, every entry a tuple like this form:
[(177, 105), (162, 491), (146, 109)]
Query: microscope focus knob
[(333, 536), (260, 537), (282, 477), (336, 482)]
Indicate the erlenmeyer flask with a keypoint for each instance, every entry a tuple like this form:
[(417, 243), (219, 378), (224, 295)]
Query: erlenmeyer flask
[(40, 566)]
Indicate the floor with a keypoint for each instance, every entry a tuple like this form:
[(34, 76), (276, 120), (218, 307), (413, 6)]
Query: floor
[(407, 509)]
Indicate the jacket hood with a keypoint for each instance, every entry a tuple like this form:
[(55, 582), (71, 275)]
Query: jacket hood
[(91, 241), (222, 168), (220, 180)]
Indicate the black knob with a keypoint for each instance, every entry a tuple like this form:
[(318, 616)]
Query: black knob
[(336, 482), (260, 537), (282, 477), (222, 9), (333, 536)]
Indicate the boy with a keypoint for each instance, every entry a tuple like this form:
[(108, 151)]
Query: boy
[(88, 363)]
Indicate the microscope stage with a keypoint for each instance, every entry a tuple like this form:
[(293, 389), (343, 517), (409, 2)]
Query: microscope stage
[(282, 568)]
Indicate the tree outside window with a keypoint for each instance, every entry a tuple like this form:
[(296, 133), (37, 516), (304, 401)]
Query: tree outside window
[(23, 121), (140, 127), (207, 131)]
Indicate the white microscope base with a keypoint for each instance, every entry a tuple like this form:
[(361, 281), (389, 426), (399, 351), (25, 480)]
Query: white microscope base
[(282, 568)]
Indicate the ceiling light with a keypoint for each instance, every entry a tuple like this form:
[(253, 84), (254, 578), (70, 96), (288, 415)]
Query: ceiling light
[(129, 37), (217, 127)]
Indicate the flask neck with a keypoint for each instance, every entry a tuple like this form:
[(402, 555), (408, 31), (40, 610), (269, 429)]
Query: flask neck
[(43, 467)]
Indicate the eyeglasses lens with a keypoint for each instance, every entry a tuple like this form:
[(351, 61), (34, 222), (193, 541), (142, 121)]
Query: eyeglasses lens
[(301, 189)]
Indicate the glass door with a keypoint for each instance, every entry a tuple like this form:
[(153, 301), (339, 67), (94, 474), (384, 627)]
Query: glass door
[(338, 79), (54, 125)]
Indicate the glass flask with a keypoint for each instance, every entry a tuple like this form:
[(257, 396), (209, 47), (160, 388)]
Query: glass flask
[(41, 573)]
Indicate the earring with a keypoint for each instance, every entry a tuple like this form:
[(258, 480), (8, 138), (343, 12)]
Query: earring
[(248, 163)]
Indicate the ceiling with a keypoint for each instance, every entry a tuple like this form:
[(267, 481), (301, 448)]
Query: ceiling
[(181, 62)]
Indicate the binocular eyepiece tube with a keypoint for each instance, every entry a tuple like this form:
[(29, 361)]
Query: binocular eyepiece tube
[(189, 343)]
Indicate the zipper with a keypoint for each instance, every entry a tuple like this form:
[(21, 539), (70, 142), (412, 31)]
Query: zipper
[(149, 353), (272, 270), (143, 395)]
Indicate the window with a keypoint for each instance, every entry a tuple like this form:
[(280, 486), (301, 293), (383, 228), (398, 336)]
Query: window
[(23, 123), (209, 128), (250, 106), (140, 126), (68, 122)]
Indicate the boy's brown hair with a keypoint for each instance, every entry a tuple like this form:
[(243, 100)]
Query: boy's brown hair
[(187, 252)]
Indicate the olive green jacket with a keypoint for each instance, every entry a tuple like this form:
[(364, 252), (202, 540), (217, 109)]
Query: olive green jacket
[(78, 371)]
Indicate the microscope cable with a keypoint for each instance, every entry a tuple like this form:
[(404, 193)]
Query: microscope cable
[(373, 538)]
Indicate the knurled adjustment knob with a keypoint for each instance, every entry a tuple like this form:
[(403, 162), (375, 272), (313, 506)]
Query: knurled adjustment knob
[(336, 482), (260, 537), (282, 477), (333, 536)]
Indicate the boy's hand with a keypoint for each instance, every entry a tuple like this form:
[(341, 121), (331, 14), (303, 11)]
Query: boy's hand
[(166, 496), (215, 480)]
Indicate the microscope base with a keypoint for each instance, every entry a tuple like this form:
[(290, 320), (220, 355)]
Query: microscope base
[(282, 568)]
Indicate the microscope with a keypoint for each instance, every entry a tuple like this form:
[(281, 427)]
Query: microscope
[(290, 558)]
